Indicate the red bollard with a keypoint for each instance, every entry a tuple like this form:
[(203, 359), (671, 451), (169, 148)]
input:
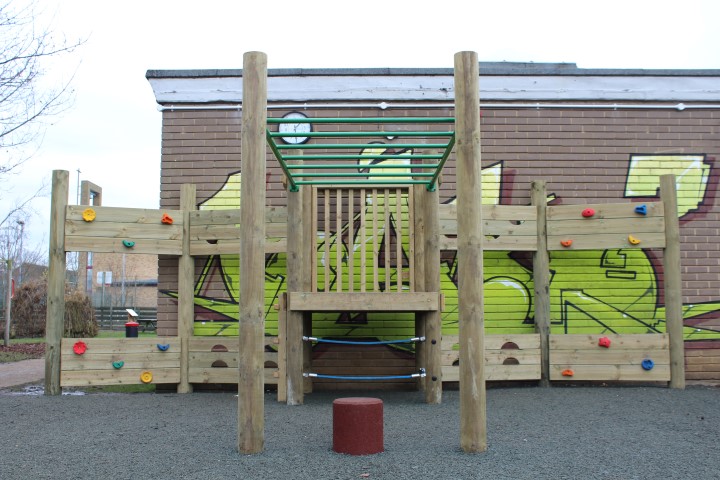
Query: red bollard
[(358, 426)]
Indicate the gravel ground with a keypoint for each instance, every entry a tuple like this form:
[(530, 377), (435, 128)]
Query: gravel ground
[(533, 433)]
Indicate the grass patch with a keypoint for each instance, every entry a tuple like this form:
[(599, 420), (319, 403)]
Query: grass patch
[(7, 357)]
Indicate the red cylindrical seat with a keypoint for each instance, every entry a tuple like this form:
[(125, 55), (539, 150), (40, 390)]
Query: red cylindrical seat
[(358, 425)]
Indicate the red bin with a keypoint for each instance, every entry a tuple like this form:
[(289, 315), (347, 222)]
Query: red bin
[(358, 426)]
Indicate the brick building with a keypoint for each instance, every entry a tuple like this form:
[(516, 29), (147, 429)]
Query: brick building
[(595, 136)]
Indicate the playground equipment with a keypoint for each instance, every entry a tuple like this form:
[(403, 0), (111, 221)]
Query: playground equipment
[(352, 202)]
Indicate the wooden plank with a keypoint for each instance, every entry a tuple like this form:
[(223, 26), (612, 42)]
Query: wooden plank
[(634, 226), (375, 262), (604, 241), (398, 241), (608, 356), (386, 235), (497, 373), (541, 278), (313, 230), (186, 285), (118, 377), (509, 243), (672, 282), (326, 239), (627, 373), (494, 227), (604, 210), (525, 341), (122, 345), (122, 231), (112, 215), (411, 237), (202, 248), (137, 361), (363, 241), (338, 241), (496, 357), (364, 302), (432, 320), (656, 341), (226, 375), (55, 313), (231, 216), (115, 245)]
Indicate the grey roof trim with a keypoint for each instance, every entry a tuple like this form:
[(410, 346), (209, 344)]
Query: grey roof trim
[(486, 69)]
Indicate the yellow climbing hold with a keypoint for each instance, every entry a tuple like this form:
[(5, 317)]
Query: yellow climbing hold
[(633, 240), (88, 214), (146, 377)]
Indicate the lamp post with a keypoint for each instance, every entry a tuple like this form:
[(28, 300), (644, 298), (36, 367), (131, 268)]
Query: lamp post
[(20, 252)]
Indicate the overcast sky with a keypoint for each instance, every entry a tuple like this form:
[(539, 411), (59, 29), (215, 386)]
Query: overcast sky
[(112, 132)]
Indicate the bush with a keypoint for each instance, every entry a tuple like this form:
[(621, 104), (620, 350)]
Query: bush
[(29, 311)]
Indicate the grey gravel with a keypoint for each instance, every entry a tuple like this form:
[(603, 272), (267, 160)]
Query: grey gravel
[(533, 433)]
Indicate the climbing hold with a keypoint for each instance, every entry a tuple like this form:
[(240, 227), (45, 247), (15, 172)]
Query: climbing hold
[(566, 243), (604, 342), (128, 243), (163, 348), (146, 377), (641, 209), (88, 215), (588, 212), (166, 219), (568, 373), (79, 348), (118, 365), (648, 364), (633, 240)]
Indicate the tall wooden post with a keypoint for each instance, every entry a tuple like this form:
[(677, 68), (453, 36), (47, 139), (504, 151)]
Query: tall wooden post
[(295, 277), (251, 409), (56, 283), (473, 426), (186, 296), (433, 320), (673, 282), (541, 280)]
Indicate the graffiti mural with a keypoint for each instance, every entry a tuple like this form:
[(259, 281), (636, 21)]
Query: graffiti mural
[(609, 291)]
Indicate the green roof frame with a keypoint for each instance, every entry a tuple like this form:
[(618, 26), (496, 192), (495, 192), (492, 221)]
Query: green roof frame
[(316, 170)]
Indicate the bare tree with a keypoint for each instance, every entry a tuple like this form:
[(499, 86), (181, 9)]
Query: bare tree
[(25, 104)]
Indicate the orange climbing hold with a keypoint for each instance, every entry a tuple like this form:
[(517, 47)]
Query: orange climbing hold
[(88, 215), (166, 219), (633, 240), (568, 373), (566, 243)]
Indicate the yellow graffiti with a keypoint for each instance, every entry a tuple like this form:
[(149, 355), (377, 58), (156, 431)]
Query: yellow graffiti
[(691, 178)]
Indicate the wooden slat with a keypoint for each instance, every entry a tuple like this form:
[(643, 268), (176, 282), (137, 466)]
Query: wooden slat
[(658, 341), (496, 357), (111, 215), (363, 240), (527, 341), (386, 235), (351, 240), (115, 245), (123, 230), (121, 345), (205, 344), (634, 226), (628, 373), (375, 262), (497, 373), (364, 302), (602, 241), (226, 375), (117, 377), (604, 210), (398, 240), (411, 237), (231, 247), (137, 361), (338, 241), (326, 193)]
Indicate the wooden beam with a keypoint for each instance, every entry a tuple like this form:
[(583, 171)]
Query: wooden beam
[(672, 279), (418, 206), (432, 319), (186, 294), (251, 328), (364, 302), (56, 283), (541, 279), (473, 424)]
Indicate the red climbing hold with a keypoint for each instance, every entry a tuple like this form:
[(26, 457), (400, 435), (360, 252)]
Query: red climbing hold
[(566, 243), (166, 219), (604, 342), (79, 348), (588, 212)]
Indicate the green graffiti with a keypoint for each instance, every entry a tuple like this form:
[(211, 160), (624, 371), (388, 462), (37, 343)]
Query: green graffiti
[(605, 291)]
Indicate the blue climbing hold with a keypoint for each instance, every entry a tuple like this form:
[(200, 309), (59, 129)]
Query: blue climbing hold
[(648, 364), (641, 209), (128, 243), (163, 348)]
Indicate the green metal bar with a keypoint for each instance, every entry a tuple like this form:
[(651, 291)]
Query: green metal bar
[(363, 120), (283, 164), (451, 144), (363, 182), (337, 146), (360, 174), (328, 166), (362, 134), (399, 156)]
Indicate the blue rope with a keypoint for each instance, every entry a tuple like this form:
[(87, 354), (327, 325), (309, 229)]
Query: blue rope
[(357, 342), (351, 377)]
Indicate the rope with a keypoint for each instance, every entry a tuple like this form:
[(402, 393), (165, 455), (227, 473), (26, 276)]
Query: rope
[(357, 342), (420, 374)]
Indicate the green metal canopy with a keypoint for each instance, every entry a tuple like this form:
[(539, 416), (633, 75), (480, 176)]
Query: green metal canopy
[(418, 160)]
